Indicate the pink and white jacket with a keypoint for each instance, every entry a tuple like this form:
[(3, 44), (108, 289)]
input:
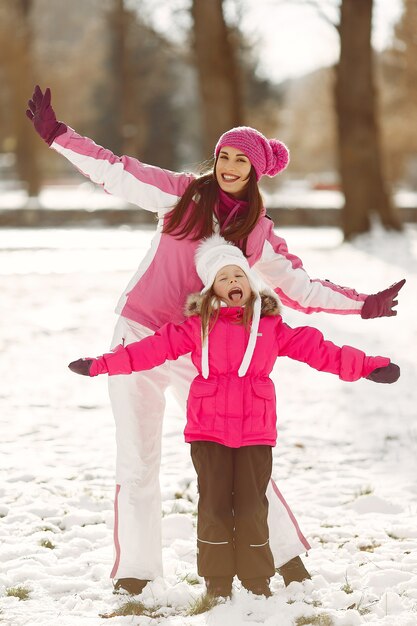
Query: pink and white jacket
[(157, 291), (225, 408)]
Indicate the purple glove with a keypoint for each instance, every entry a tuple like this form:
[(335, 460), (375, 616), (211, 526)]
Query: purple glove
[(388, 374), (82, 366), (381, 304), (42, 115)]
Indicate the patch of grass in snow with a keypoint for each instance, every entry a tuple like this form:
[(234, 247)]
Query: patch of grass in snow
[(191, 579), (324, 525), (183, 494), (203, 604), (134, 607), (45, 543), (347, 587), (361, 609), (180, 495), (46, 529), (392, 535), (364, 491), (324, 619), (22, 593), (314, 603), (369, 547)]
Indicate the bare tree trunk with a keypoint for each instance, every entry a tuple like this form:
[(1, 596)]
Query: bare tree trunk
[(21, 81), (359, 143), (117, 100), (217, 69)]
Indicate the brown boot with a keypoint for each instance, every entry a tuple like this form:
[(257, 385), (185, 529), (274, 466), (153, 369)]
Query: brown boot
[(134, 586), (294, 571), (258, 586), (219, 586)]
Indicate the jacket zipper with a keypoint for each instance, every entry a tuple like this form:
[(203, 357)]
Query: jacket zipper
[(227, 370)]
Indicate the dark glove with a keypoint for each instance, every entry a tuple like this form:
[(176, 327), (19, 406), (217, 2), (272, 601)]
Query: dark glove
[(82, 366), (42, 116), (381, 304), (388, 374)]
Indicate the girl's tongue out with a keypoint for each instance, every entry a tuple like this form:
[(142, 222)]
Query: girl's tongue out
[(235, 294)]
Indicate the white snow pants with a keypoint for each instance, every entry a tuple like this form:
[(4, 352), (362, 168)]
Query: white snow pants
[(138, 404)]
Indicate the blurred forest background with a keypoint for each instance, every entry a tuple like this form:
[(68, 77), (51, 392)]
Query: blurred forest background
[(116, 79)]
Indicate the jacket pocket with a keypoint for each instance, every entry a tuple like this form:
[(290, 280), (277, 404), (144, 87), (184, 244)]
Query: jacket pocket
[(201, 408), (201, 388), (263, 414), (263, 389)]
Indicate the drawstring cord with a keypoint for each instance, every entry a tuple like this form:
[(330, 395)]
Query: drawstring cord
[(230, 216)]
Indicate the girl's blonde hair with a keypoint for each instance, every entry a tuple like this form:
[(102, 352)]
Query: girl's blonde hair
[(210, 308)]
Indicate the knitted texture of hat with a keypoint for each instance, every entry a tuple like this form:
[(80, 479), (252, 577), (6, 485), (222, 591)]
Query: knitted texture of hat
[(268, 156), (213, 254)]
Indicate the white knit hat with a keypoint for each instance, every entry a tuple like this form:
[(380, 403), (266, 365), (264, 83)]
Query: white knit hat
[(212, 255)]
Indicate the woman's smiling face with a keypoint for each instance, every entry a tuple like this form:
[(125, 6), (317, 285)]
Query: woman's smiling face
[(232, 285), (232, 171)]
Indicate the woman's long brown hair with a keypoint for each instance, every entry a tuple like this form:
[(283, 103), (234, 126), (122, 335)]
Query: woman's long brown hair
[(180, 222), (210, 308)]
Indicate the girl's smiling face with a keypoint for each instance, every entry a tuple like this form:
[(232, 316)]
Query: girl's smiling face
[(232, 286), (232, 171)]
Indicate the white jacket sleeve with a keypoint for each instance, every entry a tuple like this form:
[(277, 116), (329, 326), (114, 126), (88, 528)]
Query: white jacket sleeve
[(284, 272), (147, 186)]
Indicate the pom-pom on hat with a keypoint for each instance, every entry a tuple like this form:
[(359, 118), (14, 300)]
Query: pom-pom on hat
[(268, 156), (212, 255)]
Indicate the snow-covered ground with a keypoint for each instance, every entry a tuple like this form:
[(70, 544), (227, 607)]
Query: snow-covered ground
[(345, 460), (291, 195)]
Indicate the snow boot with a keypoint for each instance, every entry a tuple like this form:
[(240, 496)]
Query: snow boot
[(134, 586), (258, 586), (293, 571), (219, 586)]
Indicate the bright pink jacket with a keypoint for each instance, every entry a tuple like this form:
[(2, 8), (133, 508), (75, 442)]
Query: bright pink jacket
[(156, 293), (225, 408)]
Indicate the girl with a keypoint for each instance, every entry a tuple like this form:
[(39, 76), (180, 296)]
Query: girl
[(189, 208), (234, 333)]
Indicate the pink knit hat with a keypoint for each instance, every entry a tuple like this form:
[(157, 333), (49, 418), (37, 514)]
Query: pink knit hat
[(268, 156)]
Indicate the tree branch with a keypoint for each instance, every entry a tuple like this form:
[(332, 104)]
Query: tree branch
[(318, 7)]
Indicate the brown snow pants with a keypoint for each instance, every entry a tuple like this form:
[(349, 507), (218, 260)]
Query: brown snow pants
[(232, 527)]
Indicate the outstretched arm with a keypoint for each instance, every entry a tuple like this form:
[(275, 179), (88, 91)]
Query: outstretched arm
[(308, 345), (147, 186), (168, 343), (285, 273)]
